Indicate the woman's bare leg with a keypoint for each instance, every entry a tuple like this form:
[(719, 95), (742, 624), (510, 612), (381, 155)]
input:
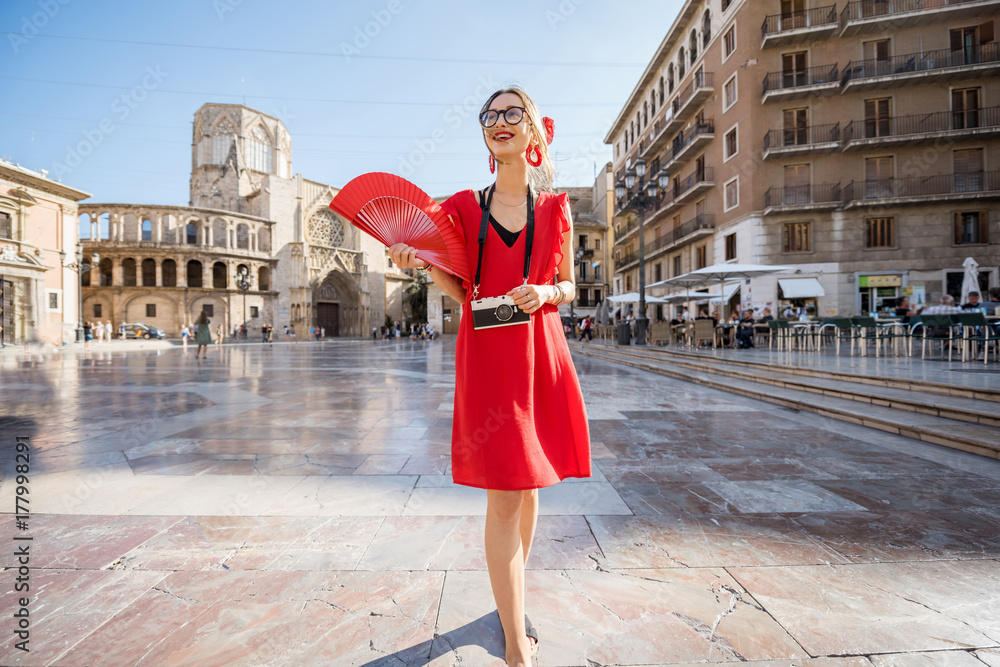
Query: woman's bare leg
[(505, 561), (529, 519)]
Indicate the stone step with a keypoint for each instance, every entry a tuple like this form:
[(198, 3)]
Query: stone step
[(913, 399), (974, 438)]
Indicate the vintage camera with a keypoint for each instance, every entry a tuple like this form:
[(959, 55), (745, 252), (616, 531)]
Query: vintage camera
[(497, 311)]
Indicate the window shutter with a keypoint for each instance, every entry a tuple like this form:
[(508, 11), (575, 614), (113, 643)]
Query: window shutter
[(986, 32), (984, 227), (958, 228), (956, 40)]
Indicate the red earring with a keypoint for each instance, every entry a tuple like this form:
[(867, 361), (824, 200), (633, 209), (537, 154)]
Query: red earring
[(537, 161), (493, 164)]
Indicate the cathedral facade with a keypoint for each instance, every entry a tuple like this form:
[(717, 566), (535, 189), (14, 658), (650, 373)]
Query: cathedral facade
[(256, 245)]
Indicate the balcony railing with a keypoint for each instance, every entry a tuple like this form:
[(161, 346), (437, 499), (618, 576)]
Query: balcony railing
[(977, 183), (702, 175), (803, 195), (924, 123), (685, 139), (871, 9), (626, 230), (928, 61), (776, 24), (802, 137), (799, 78), (699, 80), (703, 222)]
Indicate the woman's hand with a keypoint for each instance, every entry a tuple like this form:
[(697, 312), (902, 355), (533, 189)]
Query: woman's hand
[(405, 257), (530, 298)]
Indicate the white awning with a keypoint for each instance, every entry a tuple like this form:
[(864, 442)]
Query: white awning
[(800, 288)]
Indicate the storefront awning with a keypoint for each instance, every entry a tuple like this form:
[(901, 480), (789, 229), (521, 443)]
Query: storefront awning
[(800, 288)]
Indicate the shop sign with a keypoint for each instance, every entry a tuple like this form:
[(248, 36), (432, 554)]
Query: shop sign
[(865, 282)]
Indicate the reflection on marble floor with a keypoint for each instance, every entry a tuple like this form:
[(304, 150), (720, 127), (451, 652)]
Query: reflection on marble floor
[(293, 505)]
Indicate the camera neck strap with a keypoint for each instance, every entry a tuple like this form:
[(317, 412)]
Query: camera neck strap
[(484, 226)]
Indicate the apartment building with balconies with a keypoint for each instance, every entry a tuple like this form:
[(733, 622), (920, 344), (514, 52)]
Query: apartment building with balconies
[(858, 142)]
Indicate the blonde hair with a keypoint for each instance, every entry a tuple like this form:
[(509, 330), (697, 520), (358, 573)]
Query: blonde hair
[(540, 177)]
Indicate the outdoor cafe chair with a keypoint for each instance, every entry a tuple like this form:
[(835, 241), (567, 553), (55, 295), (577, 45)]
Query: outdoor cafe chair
[(867, 331), (703, 330), (842, 330), (975, 329), (779, 331), (939, 322)]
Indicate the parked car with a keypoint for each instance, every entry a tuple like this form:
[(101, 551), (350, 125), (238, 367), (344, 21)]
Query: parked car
[(143, 330)]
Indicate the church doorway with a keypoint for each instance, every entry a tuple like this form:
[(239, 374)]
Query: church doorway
[(328, 317)]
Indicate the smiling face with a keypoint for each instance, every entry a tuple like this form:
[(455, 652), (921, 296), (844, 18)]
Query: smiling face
[(508, 141)]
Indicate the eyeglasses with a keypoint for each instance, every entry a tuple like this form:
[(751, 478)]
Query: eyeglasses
[(511, 116)]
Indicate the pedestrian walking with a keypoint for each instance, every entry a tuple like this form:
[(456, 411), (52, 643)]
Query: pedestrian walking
[(88, 334), (585, 329), (263, 334), (322, 333), (286, 333), (519, 418), (185, 334), (291, 332), (203, 335), (121, 331), (219, 336)]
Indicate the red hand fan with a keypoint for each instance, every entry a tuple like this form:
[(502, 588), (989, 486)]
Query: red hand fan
[(393, 210)]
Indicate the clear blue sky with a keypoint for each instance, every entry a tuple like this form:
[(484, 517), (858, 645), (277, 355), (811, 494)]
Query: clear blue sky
[(403, 98)]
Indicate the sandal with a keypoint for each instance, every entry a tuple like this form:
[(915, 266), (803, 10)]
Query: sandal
[(529, 630)]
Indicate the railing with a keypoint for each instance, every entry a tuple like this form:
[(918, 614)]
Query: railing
[(802, 136), (801, 195), (941, 121), (921, 62), (923, 186), (682, 140), (778, 23), (628, 229), (701, 222), (797, 78), (866, 9), (699, 80), (702, 175)]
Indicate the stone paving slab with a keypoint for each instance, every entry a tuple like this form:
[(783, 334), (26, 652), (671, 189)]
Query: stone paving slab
[(294, 506)]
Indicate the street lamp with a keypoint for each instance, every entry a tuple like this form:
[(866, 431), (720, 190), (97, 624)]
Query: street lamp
[(79, 266), (640, 202), (243, 284)]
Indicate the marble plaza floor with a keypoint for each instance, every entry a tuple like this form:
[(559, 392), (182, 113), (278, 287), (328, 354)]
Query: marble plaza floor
[(292, 505)]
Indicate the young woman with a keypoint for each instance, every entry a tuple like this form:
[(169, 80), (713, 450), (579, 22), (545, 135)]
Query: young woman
[(520, 422), (203, 335)]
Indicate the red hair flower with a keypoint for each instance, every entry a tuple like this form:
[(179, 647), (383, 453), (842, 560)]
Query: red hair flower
[(550, 129)]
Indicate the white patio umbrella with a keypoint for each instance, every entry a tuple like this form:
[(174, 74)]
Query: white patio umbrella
[(970, 281), (722, 272), (633, 297)]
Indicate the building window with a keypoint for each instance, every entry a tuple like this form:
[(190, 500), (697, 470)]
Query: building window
[(6, 228), (731, 146), (880, 233), (208, 309), (796, 126), (628, 283), (149, 273), (150, 310), (729, 94), (658, 272), (971, 227), (730, 246), (147, 230), (254, 312), (677, 266), (878, 177), (725, 4), (968, 170), (194, 274), (53, 300), (597, 244), (97, 310), (733, 193), (259, 150), (169, 271), (701, 257), (878, 117), (220, 276), (192, 233), (965, 108), (728, 43), (797, 237), (128, 272)]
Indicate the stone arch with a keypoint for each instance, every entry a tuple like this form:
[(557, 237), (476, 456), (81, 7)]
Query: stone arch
[(336, 305), (243, 236), (195, 274), (168, 270), (693, 45), (220, 276), (166, 310), (104, 273), (264, 240), (191, 232), (129, 273), (104, 226), (168, 224), (146, 231), (706, 28), (130, 228), (104, 300), (84, 225), (264, 279), (670, 78), (219, 313)]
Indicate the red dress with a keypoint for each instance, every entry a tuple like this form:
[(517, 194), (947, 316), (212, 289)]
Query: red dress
[(520, 421)]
